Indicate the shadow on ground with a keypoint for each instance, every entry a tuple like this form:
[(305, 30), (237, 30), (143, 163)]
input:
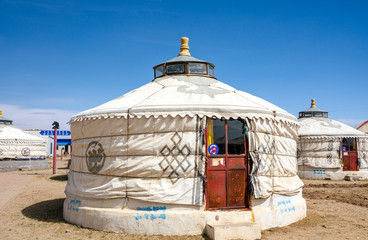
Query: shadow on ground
[(60, 178), (46, 211)]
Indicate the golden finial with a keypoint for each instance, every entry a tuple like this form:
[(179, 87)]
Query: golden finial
[(184, 48), (313, 103), (1, 113)]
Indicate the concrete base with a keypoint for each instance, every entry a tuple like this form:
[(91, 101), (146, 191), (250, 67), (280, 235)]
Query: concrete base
[(138, 217), (11, 165), (279, 210), (306, 172), (246, 231)]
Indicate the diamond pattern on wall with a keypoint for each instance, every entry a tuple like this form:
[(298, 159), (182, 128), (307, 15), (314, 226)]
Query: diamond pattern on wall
[(175, 158)]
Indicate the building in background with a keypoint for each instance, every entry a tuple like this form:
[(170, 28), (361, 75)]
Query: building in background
[(64, 142), (363, 127)]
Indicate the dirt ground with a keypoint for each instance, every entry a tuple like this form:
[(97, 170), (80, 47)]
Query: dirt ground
[(31, 208)]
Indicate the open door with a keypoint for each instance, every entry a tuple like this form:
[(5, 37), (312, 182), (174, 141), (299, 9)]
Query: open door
[(349, 154), (227, 166)]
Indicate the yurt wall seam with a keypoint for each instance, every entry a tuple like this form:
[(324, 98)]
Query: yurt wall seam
[(126, 176), (196, 162), (126, 166), (126, 134)]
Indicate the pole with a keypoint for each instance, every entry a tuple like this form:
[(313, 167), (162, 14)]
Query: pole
[(55, 143)]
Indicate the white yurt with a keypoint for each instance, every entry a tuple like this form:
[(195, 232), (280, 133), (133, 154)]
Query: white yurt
[(180, 153), (20, 150), (329, 149)]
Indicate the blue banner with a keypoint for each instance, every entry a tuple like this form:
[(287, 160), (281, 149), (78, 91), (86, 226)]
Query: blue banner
[(59, 132)]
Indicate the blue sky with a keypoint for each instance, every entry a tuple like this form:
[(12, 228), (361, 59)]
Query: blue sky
[(58, 58)]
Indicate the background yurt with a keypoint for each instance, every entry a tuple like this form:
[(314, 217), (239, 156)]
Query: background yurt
[(20, 150), (328, 149), (182, 152)]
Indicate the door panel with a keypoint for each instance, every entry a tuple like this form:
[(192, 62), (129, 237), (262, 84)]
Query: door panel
[(216, 184), (353, 159), (350, 161), (236, 163), (237, 181)]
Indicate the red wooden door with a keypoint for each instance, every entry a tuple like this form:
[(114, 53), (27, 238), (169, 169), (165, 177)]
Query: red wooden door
[(349, 154), (227, 172), (350, 161)]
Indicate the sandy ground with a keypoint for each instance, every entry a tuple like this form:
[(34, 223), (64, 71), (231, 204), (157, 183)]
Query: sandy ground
[(31, 208)]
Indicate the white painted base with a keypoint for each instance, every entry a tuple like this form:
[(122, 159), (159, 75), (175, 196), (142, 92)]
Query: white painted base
[(138, 217), (279, 210), (11, 165), (306, 172)]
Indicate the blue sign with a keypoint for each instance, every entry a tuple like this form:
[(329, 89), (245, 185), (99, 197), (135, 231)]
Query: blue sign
[(59, 132), (213, 149), (344, 149)]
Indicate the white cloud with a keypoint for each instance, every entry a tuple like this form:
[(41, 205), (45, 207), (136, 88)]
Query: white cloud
[(36, 118), (351, 122)]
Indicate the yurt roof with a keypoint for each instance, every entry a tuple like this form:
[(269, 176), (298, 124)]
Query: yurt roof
[(187, 95), (363, 127), (312, 126), (10, 133), (326, 127), (4, 120)]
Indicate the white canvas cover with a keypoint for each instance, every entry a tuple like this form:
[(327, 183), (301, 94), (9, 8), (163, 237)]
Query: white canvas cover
[(362, 147), (320, 139), (319, 152), (315, 127), (156, 160), (15, 143), (179, 95), (141, 134), (272, 146)]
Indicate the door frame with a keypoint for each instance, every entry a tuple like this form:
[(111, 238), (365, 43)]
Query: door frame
[(226, 156), (352, 156)]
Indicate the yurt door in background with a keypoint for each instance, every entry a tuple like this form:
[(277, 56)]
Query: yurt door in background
[(349, 154), (227, 167)]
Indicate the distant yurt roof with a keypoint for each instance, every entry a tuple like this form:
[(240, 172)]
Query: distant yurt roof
[(186, 86), (315, 123), (10, 132), (363, 127), (4, 120)]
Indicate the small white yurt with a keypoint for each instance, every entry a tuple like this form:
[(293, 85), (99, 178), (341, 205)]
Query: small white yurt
[(20, 150), (182, 152), (329, 149)]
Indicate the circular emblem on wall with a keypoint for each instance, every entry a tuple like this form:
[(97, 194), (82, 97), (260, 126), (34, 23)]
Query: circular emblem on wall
[(95, 157), (26, 151), (213, 149)]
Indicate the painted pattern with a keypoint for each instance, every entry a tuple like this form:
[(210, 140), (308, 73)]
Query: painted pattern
[(95, 157), (175, 158)]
